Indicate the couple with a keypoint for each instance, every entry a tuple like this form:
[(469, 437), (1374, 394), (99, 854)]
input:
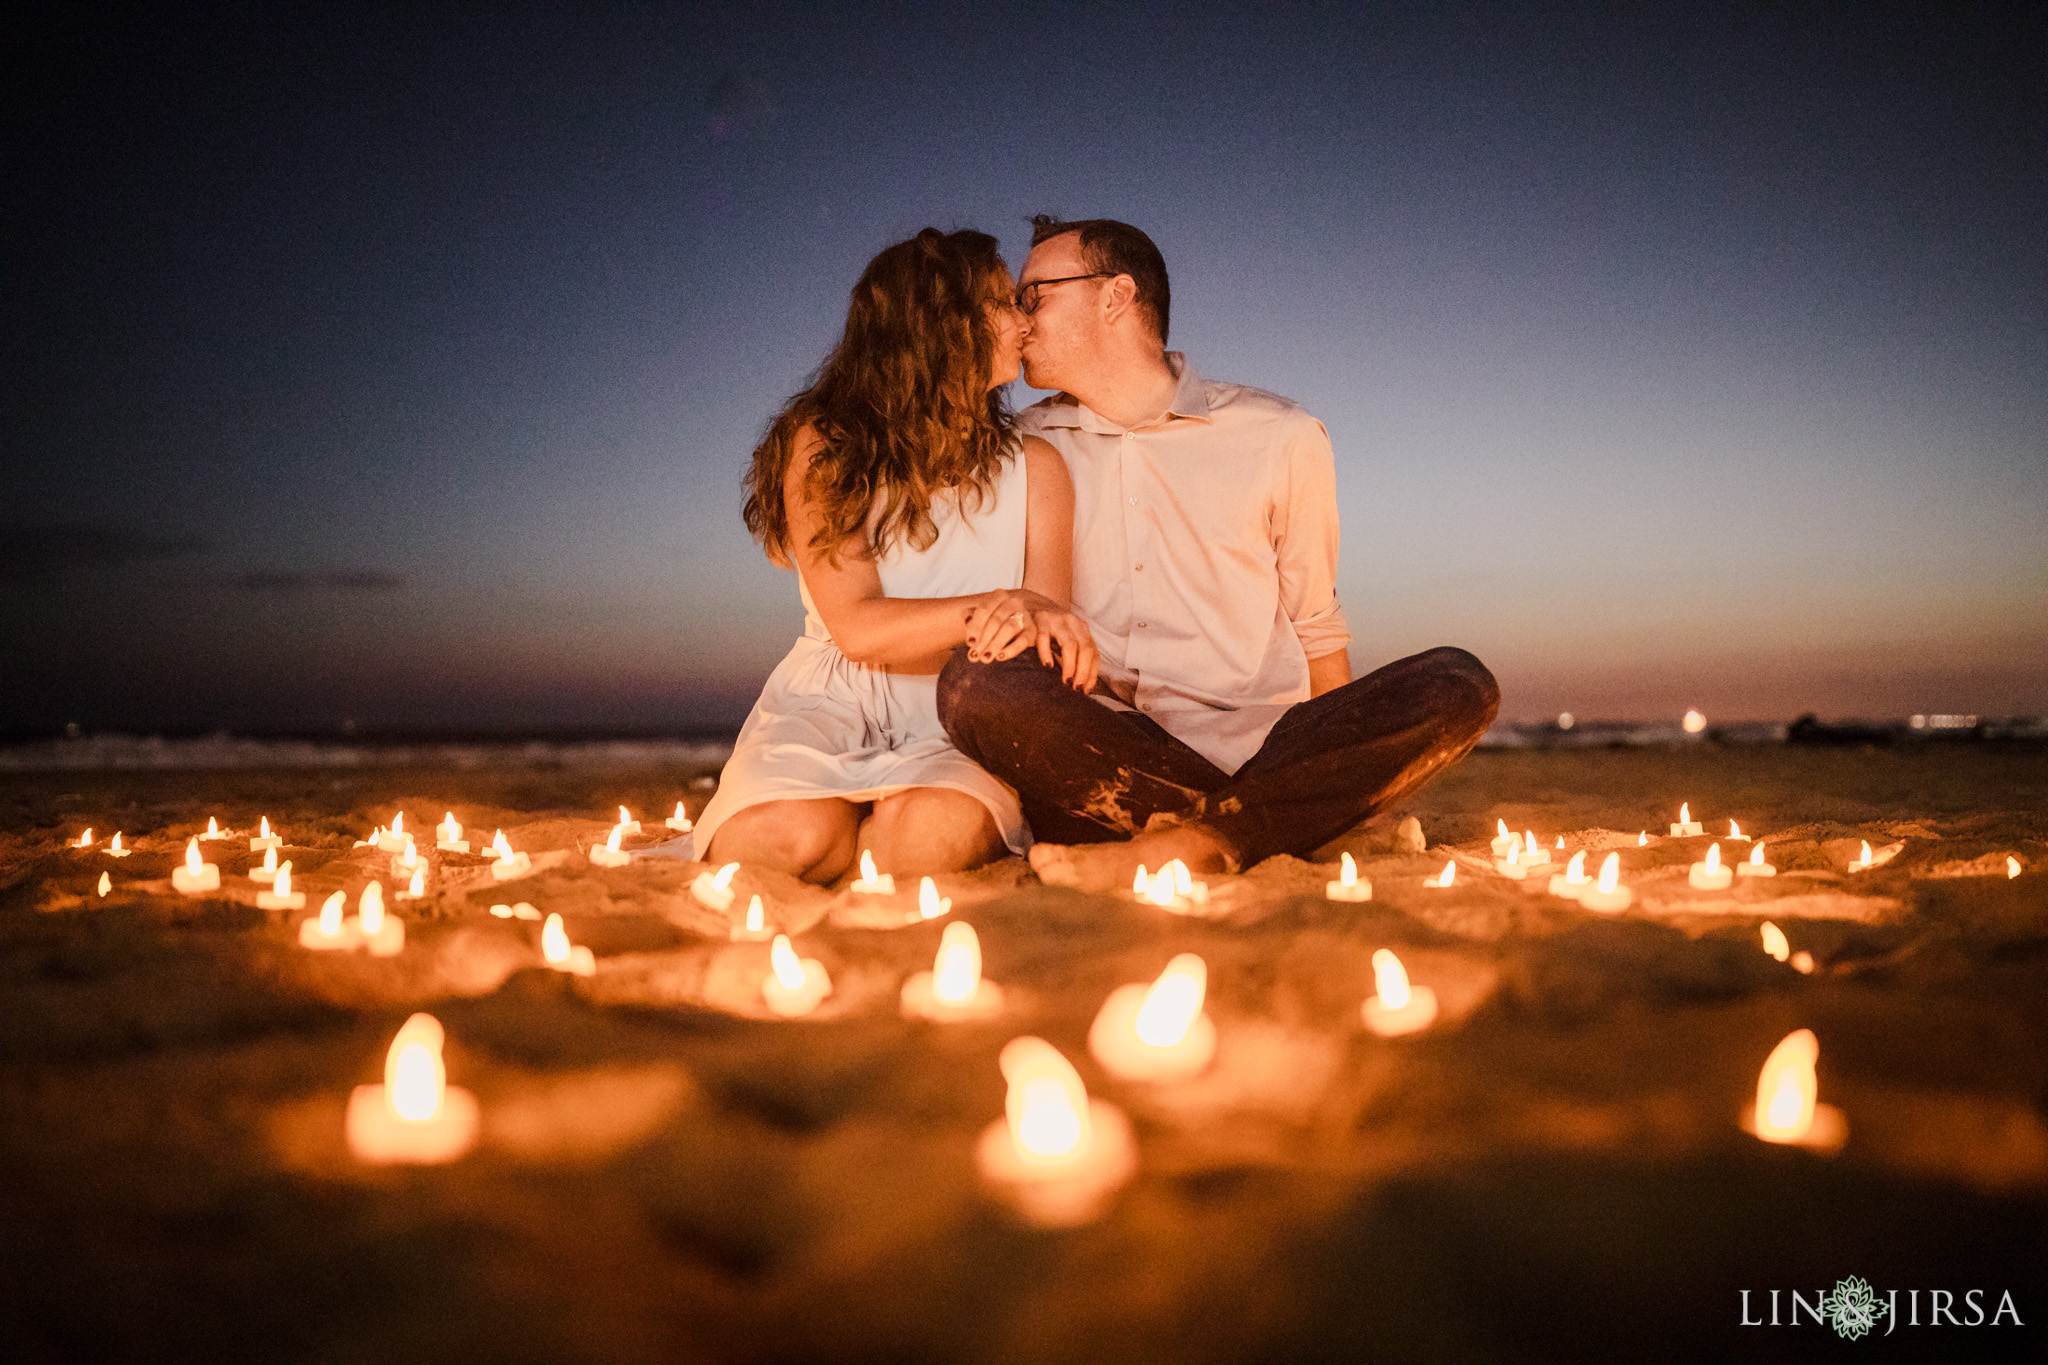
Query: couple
[(1108, 623)]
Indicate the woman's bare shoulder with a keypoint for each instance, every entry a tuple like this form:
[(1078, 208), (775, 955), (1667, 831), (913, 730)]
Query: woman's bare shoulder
[(1042, 461)]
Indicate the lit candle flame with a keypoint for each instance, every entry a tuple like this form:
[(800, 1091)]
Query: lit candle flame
[(1775, 943), (1160, 889), (283, 885), (330, 913), (212, 828), (1047, 1105), (1530, 836), (681, 818), (789, 970), (1174, 1002), (1449, 874), (449, 831), (411, 854), (269, 860), (1183, 884), (1643, 839), (370, 908), (266, 826), (1138, 883), (929, 904), (1684, 813), (1786, 1088), (554, 940), (1756, 856), (1390, 979), (1734, 830), (500, 848), (116, 845), (85, 839), (1560, 841), (106, 883), (956, 972), (1610, 873), (612, 844), (756, 917), (1347, 872), (193, 862), (415, 1079), (2012, 867), (417, 888), (1713, 858), (397, 824), (1863, 859), (1575, 870), (625, 816), (724, 877), (1502, 826), (867, 866)]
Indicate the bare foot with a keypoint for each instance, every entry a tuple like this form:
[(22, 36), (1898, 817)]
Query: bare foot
[(1111, 867)]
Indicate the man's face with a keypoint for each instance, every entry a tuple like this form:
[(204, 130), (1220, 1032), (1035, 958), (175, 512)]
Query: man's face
[(1065, 330)]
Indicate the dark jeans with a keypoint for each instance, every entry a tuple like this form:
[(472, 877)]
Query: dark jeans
[(1087, 774)]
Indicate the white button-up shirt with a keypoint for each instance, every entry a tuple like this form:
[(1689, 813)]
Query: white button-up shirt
[(1205, 556)]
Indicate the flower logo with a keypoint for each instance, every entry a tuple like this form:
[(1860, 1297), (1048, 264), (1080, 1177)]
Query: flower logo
[(1853, 1308)]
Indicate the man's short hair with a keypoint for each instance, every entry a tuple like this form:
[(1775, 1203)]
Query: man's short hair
[(1118, 249)]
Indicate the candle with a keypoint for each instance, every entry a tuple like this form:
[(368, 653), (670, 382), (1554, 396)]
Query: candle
[(509, 865), (1755, 866), (2012, 867), (756, 927), (1512, 867), (268, 870), (195, 878), (1608, 895), (1056, 1156), (1444, 878), (114, 849), (1399, 1007), (84, 840), (448, 835), (416, 889), (1573, 880), (1157, 1031), (678, 821), (415, 1117), (954, 989), (1802, 962), (264, 838), (560, 954), (609, 854), (1172, 887), (106, 884), (1685, 826), (1534, 854), (1349, 886), (522, 910), (1787, 1108), (1862, 862), (627, 824), (715, 892), (870, 884), (393, 840), (930, 905), (1709, 875), (375, 840), (1502, 840), (327, 929), (1643, 839), (281, 896), (1774, 941), (213, 831), (793, 987), (382, 934), (1735, 833)]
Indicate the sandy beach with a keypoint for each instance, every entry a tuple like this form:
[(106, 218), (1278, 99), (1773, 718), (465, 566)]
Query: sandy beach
[(1554, 1170)]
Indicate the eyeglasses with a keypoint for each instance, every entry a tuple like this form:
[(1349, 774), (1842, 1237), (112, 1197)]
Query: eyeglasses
[(1027, 296)]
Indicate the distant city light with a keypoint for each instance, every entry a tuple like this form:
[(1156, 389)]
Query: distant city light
[(1565, 721), (1694, 722)]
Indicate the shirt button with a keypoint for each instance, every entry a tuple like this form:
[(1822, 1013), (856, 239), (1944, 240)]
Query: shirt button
[(1134, 502), (1141, 625), (1139, 567)]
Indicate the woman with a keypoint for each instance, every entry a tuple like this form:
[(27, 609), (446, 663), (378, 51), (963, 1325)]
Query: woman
[(917, 522)]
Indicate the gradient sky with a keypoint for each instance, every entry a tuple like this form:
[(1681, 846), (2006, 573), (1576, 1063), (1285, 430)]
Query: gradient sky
[(400, 364)]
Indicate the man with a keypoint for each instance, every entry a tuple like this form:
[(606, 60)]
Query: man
[(1225, 726)]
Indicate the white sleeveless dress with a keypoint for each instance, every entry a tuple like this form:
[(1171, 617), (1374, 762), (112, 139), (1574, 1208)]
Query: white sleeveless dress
[(826, 726)]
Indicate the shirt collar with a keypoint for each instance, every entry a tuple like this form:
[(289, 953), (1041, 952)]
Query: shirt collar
[(1190, 399)]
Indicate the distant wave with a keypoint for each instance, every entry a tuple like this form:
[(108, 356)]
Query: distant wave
[(91, 752)]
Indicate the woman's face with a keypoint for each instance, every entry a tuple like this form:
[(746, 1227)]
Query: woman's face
[(1009, 322)]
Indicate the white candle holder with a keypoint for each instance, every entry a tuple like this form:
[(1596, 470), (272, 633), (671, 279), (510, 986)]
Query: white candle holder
[(793, 986), (1057, 1156), (1157, 1030), (193, 877), (1400, 1007), (1349, 886)]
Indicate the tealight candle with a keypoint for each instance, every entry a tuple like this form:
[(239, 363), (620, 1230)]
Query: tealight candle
[(627, 824), (1172, 887), (954, 989), (1503, 841), (1533, 853), (1709, 875), (1444, 878), (416, 889), (756, 927), (715, 892), (608, 853), (930, 904), (1735, 834), (1754, 865), (1157, 1031), (1862, 862), (195, 878), (1787, 1108), (1349, 886), (560, 954), (448, 835), (1774, 941), (281, 896), (1608, 895), (376, 839), (678, 821), (393, 840), (408, 861), (106, 883), (869, 884), (2012, 867), (84, 840), (213, 831), (1056, 1156), (327, 930), (1643, 839), (1573, 881), (264, 838), (1399, 1007), (793, 986), (415, 1117), (1685, 826), (114, 849), (509, 865), (382, 934), (268, 870), (1512, 867)]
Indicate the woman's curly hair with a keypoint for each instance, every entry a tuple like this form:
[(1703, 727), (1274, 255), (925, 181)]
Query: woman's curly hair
[(902, 407)]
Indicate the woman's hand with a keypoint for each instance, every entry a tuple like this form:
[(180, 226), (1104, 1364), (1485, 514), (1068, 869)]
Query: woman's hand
[(1009, 623)]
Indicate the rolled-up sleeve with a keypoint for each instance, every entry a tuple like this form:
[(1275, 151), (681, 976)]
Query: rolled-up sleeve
[(1305, 541)]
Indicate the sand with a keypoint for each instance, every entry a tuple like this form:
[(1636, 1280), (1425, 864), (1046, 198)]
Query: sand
[(1554, 1171)]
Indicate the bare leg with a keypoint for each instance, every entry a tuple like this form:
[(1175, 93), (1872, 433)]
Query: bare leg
[(928, 830), (812, 838)]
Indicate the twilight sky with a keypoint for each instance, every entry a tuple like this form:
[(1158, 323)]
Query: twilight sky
[(399, 364)]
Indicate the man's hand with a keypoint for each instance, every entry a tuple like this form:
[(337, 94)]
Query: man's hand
[(1017, 620)]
